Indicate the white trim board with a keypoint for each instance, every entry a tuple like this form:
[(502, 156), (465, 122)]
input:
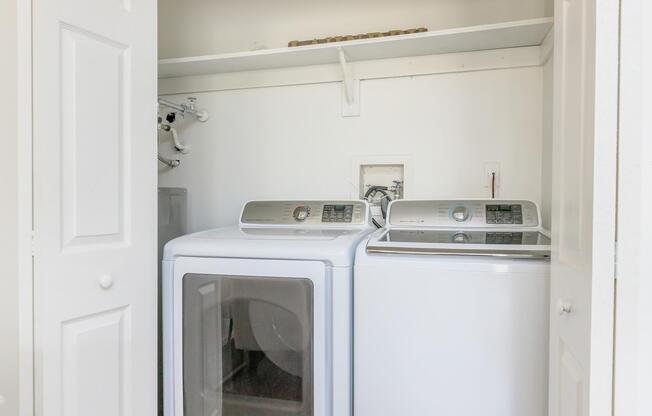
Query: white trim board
[(633, 356), (361, 70), (25, 265)]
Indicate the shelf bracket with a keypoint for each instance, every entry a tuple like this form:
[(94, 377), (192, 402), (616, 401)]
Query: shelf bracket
[(350, 87)]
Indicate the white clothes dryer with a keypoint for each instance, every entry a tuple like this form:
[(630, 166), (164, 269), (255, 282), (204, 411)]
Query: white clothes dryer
[(451, 311), (258, 317)]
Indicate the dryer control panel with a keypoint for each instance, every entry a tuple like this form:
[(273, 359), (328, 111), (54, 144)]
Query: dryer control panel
[(322, 213), (465, 213)]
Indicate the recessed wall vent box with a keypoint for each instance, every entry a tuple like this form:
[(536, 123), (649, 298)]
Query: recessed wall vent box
[(382, 174)]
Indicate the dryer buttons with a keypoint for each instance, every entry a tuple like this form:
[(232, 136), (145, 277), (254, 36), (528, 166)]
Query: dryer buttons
[(337, 213)]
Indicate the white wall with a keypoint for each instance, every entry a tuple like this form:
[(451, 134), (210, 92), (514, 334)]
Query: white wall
[(8, 213), (292, 142), (200, 27)]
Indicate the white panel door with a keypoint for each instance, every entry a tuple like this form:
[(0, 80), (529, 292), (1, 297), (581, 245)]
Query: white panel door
[(95, 207), (583, 214)]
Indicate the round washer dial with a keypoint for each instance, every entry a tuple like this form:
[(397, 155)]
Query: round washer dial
[(460, 213)]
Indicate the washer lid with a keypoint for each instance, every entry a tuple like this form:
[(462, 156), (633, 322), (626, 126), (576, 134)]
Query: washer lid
[(487, 237), (504, 243), (471, 227)]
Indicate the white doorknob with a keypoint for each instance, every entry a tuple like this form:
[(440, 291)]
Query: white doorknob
[(105, 281), (564, 307)]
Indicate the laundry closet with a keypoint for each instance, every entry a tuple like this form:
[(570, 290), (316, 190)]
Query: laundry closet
[(463, 110), (296, 101), (460, 111)]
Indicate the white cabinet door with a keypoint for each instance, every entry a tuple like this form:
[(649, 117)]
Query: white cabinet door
[(95, 207), (583, 217)]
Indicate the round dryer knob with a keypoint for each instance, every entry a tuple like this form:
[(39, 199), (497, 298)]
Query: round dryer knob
[(460, 213), (301, 213)]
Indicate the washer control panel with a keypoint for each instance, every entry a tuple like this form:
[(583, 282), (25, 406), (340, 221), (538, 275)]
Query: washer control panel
[(465, 213), (326, 213), (504, 214)]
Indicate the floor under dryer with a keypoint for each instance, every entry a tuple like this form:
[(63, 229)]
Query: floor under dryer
[(258, 317), (451, 311)]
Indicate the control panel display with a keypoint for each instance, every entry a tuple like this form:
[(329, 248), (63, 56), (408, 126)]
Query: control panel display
[(504, 214), (305, 213), (464, 214), (337, 213)]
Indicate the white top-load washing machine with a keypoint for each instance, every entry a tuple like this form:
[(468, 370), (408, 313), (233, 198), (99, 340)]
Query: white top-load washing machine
[(451, 311), (258, 317)]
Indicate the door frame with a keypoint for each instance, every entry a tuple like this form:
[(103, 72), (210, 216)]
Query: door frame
[(26, 301), (633, 338), (25, 204)]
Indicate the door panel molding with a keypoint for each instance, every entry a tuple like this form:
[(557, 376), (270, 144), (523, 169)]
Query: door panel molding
[(94, 138), (96, 346)]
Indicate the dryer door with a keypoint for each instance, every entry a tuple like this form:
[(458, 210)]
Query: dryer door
[(251, 337)]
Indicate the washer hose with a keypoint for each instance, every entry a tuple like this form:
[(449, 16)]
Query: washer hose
[(384, 201)]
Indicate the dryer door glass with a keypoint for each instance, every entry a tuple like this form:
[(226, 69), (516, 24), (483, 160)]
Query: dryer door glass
[(247, 346)]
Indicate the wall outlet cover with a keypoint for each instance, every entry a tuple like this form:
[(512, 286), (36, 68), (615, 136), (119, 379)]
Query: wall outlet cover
[(491, 168)]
